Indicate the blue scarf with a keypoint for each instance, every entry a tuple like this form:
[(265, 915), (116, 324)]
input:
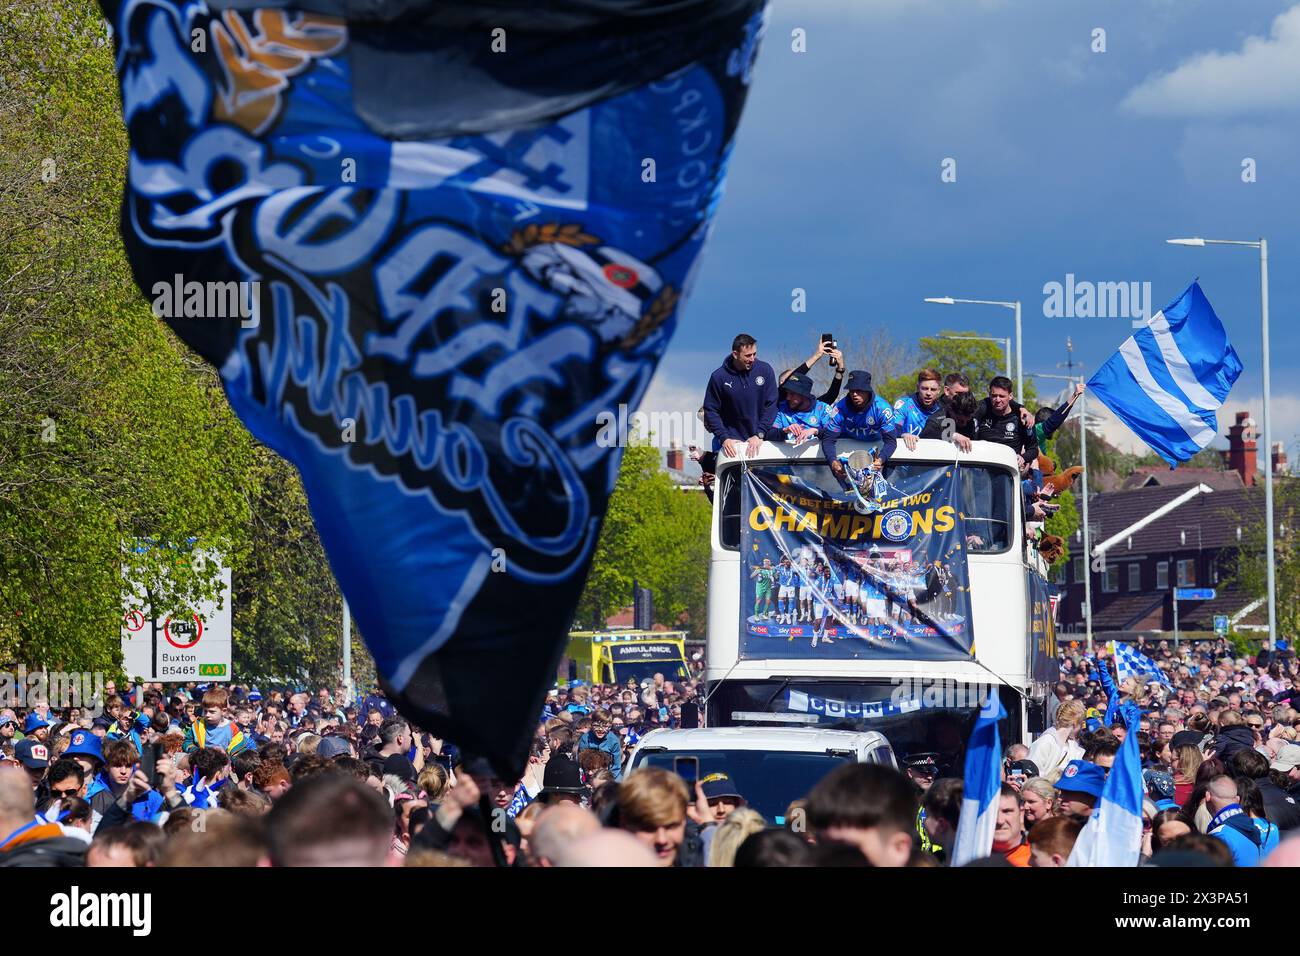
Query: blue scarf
[(1233, 816)]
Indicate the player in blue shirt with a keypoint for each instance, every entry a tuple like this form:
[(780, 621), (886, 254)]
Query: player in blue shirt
[(913, 411), (785, 578), (799, 416), (865, 416)]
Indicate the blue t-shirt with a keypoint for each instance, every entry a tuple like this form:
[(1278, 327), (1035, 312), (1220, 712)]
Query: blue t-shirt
[(871, 424), (911, 417)]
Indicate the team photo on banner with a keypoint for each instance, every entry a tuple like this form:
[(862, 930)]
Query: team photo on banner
[(818, 573)]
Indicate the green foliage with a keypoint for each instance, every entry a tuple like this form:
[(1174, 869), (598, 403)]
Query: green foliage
[(656, 534), (979, 360), (1250, 572), (111, 431)]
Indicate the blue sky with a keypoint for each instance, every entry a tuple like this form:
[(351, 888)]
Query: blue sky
[(1067, 161)]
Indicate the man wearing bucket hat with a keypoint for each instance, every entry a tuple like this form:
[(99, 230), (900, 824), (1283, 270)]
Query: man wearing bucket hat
[(863, 415), (1079, 788), (88, 750), (36, 726), (800, 417)]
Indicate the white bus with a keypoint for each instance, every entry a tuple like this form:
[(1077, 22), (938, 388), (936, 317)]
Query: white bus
[(919, 705)]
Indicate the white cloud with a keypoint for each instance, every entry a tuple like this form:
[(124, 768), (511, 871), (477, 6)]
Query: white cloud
[(1264, 75)]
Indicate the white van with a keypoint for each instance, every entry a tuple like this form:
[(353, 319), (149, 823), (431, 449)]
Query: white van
[(770, 766)]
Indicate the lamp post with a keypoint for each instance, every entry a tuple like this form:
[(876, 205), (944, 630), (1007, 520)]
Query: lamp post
[(1262, 246), (1015, 307)]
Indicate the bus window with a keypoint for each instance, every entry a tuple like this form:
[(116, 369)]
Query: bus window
[(987, 499)]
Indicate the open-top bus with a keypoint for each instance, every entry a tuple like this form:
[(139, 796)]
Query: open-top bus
[(920, 705)]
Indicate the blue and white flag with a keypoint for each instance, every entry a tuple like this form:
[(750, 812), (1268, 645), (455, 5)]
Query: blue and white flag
[(979, 807), (1130, 662), (1113, 835), (427, 275), (1167, 380)]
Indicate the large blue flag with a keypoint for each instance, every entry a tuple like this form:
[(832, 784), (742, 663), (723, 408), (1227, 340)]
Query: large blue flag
[(983, 785), (1167, 380), (1113, 834), (428, 245)]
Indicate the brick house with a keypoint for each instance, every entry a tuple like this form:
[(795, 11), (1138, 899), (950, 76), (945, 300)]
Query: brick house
[(1195, 545)]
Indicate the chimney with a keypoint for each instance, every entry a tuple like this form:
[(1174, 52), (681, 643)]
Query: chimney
[(1241, 449), (676, 457), (1279, 459)]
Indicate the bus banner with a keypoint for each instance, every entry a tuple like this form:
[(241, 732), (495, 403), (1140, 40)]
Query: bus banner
[(820, 579)]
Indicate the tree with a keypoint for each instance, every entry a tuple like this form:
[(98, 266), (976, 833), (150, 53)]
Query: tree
[(979, 360), (656, 534), (119, 452), (1250, 571)]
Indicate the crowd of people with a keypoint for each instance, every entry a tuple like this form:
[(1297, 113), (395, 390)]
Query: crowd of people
[(224, 776)]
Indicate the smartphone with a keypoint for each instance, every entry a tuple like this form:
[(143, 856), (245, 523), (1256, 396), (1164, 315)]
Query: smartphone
[(149, 754), (688, 768), (828, 343)]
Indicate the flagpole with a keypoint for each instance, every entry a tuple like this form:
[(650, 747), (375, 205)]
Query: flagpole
[(1268, 447), (1270, 561), (1087, 531)]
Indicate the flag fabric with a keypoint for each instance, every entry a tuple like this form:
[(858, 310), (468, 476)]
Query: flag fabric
[(1167, 380), (1130, 662), (1113, 834), (983, 786), (429, 247)]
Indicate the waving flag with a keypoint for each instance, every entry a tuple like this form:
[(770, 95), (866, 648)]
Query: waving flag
[(1130, 662), (1113, 834), (983, 786), (428, 245), (1166, 381)]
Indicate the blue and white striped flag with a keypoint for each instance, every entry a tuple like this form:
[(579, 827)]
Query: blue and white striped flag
[(1130, 662), (1168, 379), (1113, 834), (983, 786)]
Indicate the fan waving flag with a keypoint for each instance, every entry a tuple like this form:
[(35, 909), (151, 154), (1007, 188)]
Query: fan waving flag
[(983, 785), (429, 245), (1167, 380), (1113, 834), (1130, 662)]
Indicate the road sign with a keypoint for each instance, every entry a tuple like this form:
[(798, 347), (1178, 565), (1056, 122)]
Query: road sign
[(179, 644), (1221, 624), (1194, 594)]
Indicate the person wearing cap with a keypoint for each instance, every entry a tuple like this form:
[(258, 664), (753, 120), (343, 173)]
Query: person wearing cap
[(1287, 762), (864, 416), (740, 401), (801, 417), (721, 794), (8, 726), (34, 757), (1160, 788), (599, 738), (1079, 788), (36, 726)]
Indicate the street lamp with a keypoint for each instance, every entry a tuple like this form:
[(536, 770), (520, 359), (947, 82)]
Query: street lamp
[(1014, 306), (1004, 342), (1262, 246)]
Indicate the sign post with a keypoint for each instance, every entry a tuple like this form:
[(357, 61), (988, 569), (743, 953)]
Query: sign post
[(178, 644), (1192, 594)]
